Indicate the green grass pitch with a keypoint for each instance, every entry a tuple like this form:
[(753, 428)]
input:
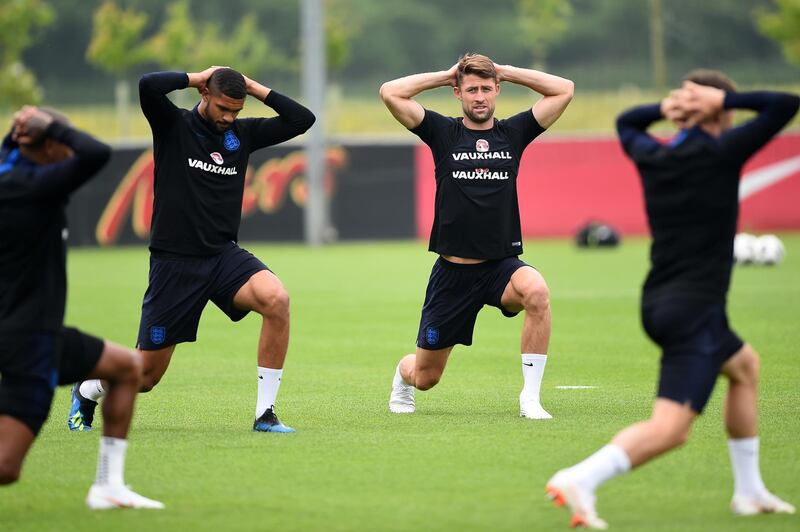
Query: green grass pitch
[(465, 460)]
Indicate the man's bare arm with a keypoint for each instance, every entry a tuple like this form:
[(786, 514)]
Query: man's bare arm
[(398, 94), (557, 91)]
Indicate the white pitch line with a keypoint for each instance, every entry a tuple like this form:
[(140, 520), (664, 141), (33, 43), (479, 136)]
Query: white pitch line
[(576, 387)]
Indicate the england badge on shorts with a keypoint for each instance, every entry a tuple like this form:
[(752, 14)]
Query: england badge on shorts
[(231, 142), (158, 335), (432, 335)]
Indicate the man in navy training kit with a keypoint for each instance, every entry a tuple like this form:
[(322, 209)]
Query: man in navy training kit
[(691, 191), (42, 162), (201, 160), (476, 227)]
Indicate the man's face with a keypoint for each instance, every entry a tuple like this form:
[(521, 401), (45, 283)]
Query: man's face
[(221, 110), (477, 97)]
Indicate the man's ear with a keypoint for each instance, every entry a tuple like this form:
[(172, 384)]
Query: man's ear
[(457, 91)]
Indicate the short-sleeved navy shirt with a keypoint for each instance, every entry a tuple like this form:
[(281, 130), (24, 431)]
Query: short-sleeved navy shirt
[(477, 211)]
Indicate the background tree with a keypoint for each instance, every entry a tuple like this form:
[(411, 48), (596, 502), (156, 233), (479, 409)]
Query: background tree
[(543, 23), (116, 47), (183, 43), (20, 22), (783, 26)]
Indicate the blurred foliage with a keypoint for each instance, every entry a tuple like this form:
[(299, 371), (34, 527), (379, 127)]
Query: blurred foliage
[(185, 43), (783, 26), (21, 22), (18, 86), (606, 44), (543, 23), (116, 43), (341, 26)]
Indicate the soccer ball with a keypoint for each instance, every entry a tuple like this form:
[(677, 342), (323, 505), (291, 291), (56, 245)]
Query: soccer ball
[(744, 248), (768, 250)]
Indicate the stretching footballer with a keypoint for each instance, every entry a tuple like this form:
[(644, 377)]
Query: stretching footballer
[(476, 228), (42, 162), (691, 191), (201, 158)]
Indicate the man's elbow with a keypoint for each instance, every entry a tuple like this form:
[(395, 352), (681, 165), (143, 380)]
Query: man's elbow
[(103, 153), (98, 157), (621, 124), (308, 120), (569, 89), (145, 84), (385, 92)]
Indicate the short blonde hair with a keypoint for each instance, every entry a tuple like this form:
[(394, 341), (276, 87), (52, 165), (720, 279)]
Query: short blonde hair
[(477, 65)]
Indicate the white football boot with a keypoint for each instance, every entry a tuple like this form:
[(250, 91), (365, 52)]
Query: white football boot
[(104, 497), (760, 504), (532, 409), (580, 502), (401, 400)]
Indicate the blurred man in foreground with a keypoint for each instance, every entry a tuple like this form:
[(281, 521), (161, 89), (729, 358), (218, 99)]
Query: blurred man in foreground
[(691, 187), (42, 162)]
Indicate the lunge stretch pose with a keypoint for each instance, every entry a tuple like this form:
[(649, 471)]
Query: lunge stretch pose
[(476, 227), (201, 160), (691, 191), (42, 162)]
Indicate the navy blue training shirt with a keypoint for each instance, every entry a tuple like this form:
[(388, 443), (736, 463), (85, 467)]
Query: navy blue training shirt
[(477, 210), (33, 229), (200, 171), (691, 192)]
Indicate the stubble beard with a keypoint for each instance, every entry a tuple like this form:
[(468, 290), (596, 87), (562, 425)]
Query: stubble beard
[(479, 119)]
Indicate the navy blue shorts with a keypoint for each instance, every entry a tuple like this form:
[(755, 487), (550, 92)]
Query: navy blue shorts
[(32, 364), (695, 341), (180, 287), (455, 295)]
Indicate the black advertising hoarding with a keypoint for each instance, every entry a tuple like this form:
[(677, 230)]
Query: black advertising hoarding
[(370, 187)]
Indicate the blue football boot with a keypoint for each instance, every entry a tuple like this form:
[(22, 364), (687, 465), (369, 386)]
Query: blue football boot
[(269, 422), (81, 412)]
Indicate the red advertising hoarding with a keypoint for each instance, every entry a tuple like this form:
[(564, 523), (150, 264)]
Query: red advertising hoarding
[(564, 183)]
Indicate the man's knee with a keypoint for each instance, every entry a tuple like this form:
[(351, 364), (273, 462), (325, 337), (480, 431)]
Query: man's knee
[(744, 367), (9, 470), (130, 365), (119, 364), (426, 381), (273, 303), (671, 434), (149, 381), (536, 298)]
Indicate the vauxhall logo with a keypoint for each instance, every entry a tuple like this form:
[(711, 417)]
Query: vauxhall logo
[(472, 156), (208, 167)]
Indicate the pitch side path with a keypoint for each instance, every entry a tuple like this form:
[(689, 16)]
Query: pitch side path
[(465, 460)]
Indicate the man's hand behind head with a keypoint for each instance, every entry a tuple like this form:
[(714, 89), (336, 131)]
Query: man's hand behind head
[(30, 125), (674, 109), (704, 100)]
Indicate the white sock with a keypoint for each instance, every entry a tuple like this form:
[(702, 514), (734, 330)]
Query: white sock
[(92, 389), (746, 472), (269, 380), (398, 378), (607, 463), (111, 461), (532, 373)]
